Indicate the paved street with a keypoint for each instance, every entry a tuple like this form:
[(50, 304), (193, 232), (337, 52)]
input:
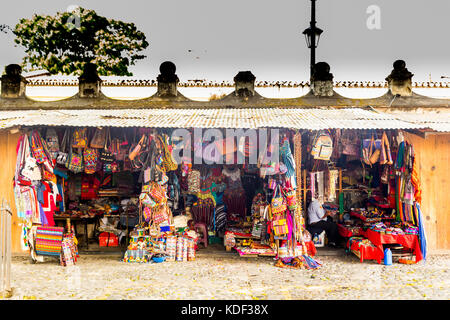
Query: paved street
[(226, 276)]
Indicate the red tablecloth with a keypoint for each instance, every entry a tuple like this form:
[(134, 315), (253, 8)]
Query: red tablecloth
[(367, 252), (409, 241), (345, 232)]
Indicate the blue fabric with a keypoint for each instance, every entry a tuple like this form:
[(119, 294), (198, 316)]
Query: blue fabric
[(422, 235)]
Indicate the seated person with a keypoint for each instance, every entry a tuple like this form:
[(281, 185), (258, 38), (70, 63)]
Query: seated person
[(321, 220)]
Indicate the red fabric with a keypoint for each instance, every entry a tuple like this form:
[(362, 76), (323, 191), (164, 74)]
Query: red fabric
[(311, 248), (344, 232), (367, 252), (409, 241)]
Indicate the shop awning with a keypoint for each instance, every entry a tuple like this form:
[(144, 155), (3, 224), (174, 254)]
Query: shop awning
[(246, 118), (436, 121)]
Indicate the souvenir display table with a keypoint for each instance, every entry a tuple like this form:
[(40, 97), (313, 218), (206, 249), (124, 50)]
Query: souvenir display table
[(364, 249), (410, 241)]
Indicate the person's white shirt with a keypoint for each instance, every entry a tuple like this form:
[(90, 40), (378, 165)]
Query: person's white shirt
[(316, 212)]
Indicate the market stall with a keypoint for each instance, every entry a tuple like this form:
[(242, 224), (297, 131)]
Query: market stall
[(368, 180), (127, 184)]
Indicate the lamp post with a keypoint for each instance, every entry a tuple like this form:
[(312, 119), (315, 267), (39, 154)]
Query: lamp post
[(312, 36)]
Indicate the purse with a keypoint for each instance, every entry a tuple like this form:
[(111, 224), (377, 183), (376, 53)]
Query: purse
[(278, 203), (157, 193), (37, 148), (136, 150), (323, 147), (280, 227), (160, 215), (51, 139), (105, 155), (79, 139), (351, 146), (291, 199), (90, 160), (169, 162), (74, 161), (385, 156), (61, 157), (99, 138)]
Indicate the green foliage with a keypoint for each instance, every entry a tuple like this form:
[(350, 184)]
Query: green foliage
[(65, 42)]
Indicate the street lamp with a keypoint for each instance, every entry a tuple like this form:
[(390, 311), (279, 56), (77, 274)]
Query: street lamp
[(312, 36)]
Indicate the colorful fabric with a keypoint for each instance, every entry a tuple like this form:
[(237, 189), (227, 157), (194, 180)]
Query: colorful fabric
[(49, 240)]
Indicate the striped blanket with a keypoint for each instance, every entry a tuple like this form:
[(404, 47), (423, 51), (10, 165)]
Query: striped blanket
[(48, 240)]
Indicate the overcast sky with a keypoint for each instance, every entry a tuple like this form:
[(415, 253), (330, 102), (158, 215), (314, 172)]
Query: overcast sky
[(264, 36)]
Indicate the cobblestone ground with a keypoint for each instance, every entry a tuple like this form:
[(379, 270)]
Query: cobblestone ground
[(227, 276)]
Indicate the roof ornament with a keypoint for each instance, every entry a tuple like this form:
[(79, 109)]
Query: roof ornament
[(167, 80), (322, 80), (244, 84), (13, 83), (400, 79), (89, 83)]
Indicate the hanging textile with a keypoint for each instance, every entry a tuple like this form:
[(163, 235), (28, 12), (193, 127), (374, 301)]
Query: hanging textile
[(422, 234), (312, 179), (415, 180), (332, 177), (320, 186)]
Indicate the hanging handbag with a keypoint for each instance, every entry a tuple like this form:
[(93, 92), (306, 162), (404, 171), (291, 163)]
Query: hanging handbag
[(323, 147), (169, 162), (99, 138), (157, 193), (278, 203), (79, 139), (147, 200), (61, 157), (291, 199), (136, 150), (147, 213), (74, 161), (90, 160), (37, 148), (105, 155), (160, 215), (51, 139), (385, 156), (351, 145), (280, 227)]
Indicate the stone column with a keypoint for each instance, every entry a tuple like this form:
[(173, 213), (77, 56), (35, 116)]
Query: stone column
[(167, 80), (244, 84), (89, 83), (400, 80), (13, 83), (322, 80)]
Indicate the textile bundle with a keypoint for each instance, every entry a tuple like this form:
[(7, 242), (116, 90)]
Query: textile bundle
[(49, 240)]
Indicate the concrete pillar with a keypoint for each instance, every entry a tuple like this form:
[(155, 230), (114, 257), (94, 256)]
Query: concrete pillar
[(400, 80), (244, 84), (167, 80), (13, 83), (322, 80), (89, 83)]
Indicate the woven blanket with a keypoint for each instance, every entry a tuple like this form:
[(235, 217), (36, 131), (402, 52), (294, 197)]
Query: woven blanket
[(48, 240)]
